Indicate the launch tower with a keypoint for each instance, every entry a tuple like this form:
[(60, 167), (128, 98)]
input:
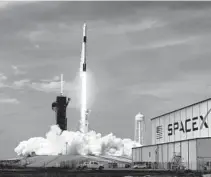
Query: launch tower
[(60, 106)]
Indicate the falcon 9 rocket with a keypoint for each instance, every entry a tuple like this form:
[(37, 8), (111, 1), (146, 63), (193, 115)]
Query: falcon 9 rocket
[(83, 76)]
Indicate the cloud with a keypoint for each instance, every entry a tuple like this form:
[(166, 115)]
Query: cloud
[(4, 4), (37, 46), (53, 85), (9, 100), (71, 88), (3, 77), (162, 44), (48, 87), (135, 27), (4, 98), (55, 78), (21, 83), (44, 85), (171, 89), (17, 71)]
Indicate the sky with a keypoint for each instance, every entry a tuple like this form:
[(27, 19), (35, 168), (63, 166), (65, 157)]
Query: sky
[(148, 57)]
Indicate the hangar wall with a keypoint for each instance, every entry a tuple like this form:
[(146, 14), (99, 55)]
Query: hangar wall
[(183, 134), (193, 153), (190, 122)]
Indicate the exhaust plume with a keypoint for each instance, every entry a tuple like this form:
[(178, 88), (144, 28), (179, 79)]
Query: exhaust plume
[(73, 90), (91, 143)]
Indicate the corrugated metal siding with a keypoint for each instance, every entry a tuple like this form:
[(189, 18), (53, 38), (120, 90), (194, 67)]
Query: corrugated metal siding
[(170, 151), (185, 153), (162, 122), (141, 154), (171, 119), (203, 111), (192, 155), (153, 153), (177, 119), (191, 118), (166, 122), (189, 115), (160, 153), (209, 118), (153, 132), (157, 123), (164, 153), (177, 148), (135, 155), (196, 113), (183, 116), (145, 153), (203, 148), (203, 152)]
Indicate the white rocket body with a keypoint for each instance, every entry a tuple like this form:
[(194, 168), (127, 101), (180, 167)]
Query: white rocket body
[(83, 53), (84, 110)]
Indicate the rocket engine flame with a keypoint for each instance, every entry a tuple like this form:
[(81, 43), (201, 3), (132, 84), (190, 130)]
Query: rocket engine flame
[(83, 121)]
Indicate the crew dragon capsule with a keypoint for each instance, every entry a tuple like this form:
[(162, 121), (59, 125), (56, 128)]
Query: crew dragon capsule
[(83, 56)]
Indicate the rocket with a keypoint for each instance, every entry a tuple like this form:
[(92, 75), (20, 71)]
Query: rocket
[(84, 111), (83, 54)]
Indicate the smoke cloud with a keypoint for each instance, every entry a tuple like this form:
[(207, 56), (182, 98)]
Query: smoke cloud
[(68, 142)]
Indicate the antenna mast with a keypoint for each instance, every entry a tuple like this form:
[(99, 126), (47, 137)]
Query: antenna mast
[(61, 91)]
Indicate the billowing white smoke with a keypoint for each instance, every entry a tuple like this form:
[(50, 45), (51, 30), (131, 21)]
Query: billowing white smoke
[(69, 142)]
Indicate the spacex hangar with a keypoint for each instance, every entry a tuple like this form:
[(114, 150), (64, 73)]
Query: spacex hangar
[(181, 138)]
